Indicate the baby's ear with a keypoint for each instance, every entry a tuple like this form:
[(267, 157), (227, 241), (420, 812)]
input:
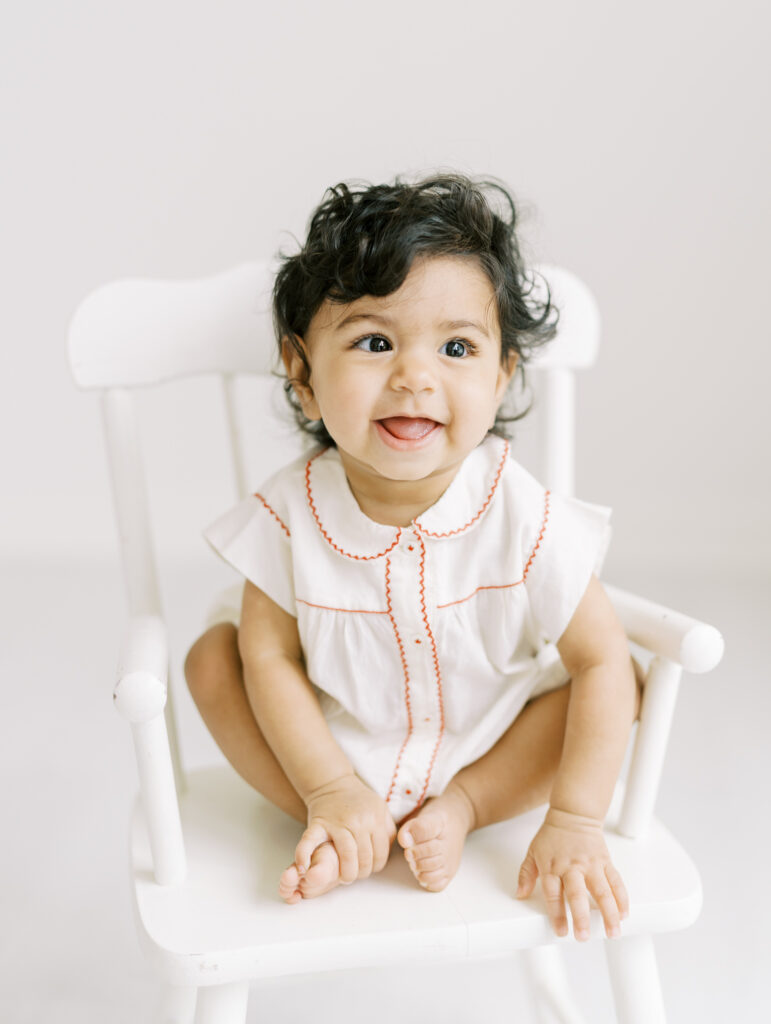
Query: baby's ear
[(505, 373), (295, 359)]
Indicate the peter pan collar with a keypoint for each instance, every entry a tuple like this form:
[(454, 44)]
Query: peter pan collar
[(353, 534)]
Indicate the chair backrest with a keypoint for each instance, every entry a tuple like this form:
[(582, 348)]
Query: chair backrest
[(138, 331)]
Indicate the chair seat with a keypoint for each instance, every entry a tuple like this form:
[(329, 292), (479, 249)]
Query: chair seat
[(226, 922)]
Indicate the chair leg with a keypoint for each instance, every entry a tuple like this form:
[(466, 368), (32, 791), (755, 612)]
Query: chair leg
[(222, 1004), (551, 989), (176, 1005), (634, 978)]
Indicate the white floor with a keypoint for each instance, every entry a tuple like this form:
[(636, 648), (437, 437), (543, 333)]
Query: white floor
[(68, 952)]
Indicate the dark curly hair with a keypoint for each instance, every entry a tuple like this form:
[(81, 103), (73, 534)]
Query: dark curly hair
[(363, 240)]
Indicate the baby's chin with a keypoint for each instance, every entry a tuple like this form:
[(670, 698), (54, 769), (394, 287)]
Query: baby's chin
[(389, 467), (414, 474)]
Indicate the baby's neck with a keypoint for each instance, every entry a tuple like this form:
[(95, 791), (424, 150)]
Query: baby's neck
[(397, 502), (391, 514)]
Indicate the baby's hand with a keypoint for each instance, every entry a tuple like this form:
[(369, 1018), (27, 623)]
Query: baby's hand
[(357, 822), (570, 855)]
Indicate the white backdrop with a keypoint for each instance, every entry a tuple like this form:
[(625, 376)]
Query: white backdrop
[(178, 137), (175, 137)]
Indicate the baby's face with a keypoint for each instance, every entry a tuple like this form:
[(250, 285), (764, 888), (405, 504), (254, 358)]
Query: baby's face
[(408, 384)]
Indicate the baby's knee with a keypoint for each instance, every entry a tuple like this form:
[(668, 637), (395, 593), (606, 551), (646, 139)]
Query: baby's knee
[(210, 660)]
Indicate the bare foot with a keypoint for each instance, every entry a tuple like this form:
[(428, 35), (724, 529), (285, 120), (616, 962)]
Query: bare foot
[(433, 840), (322, 875)]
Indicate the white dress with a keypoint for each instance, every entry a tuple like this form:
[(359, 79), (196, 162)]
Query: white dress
[(424, 642)]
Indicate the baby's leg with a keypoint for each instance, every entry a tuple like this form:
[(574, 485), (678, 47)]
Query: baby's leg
[(215, 676)]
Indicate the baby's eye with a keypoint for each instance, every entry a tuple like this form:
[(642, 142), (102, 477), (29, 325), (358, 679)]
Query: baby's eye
[(373, 343), (456, 348)]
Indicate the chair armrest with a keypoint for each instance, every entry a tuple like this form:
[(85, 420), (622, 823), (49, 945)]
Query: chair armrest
[(140, 693), (694, 645), (140, 697), (679, 643)]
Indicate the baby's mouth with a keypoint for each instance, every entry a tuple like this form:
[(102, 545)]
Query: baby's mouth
[(408, 428)]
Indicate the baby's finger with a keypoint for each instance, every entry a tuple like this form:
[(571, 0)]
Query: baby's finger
[(314, 835), (600, 888), (347, 854), (381, 850), (555, 905), (366, 856), (390, 830), (619, 890), (578, 901), (528, 874)]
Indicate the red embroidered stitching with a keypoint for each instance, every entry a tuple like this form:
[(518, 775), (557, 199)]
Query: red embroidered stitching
[(492, 586), (325, 535), (531, 559), (488, 499), (546, 511), (407, 698), (272, 511), (353, 611), (435, 653)]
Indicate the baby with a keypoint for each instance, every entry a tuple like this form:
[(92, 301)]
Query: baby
[(423, 647)]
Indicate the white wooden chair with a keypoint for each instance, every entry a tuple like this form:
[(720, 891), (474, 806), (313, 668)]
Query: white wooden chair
[(207, 851)]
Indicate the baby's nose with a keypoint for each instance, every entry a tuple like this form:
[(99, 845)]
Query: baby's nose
[(413, 373)]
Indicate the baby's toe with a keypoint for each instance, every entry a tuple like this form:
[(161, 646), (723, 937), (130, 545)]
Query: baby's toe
[(423, 864), (434, 881), (422, 829), (431, 848), (289, 885)]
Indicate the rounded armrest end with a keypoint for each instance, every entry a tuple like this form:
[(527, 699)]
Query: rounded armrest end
[(702, 648), (139, 697)]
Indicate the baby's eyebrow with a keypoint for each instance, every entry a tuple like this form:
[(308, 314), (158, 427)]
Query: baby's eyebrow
[(458, 325), (445, 325), (353, 318)]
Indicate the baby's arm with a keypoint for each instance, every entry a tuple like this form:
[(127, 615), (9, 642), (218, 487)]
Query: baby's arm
[(569, 851), (341, 808)]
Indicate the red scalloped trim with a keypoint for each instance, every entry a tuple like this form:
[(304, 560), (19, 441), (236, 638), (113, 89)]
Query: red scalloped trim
[(325, 535), (483, 509), (407, 698), (330, 608), (528, 566), (546, 511), (492, 586), (437, 671), (275, 515)]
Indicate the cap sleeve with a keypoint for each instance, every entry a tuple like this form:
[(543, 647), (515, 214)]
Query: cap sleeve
[(255, 540), (570, 546)]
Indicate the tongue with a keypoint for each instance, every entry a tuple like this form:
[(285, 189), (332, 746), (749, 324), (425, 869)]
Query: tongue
[(408, 428)]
